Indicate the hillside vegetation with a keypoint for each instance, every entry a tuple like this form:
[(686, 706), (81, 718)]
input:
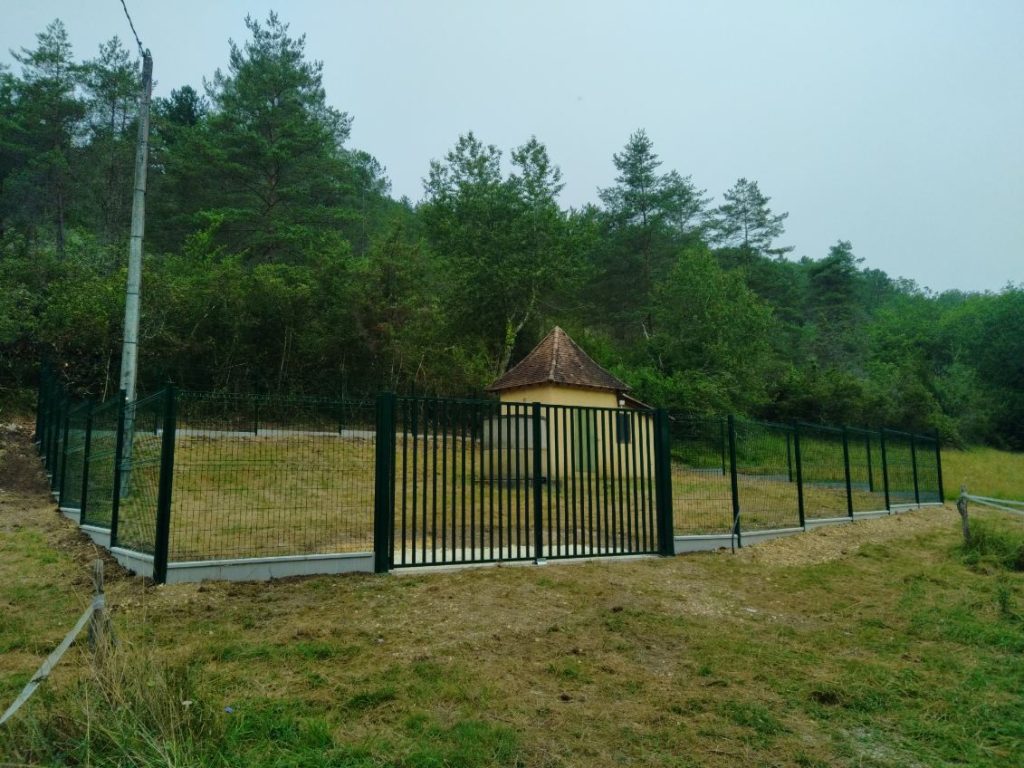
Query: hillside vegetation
[(277, 261)]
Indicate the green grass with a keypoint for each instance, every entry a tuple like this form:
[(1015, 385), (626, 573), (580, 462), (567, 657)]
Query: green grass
[(985, 472), (896, 651), (995, 541)]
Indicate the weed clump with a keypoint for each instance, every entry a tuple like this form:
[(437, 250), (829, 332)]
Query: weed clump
[(993, 544)]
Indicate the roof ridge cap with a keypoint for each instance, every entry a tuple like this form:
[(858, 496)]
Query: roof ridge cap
[(554, 352)]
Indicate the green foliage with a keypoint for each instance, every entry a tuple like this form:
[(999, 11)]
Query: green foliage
[(276, 261)]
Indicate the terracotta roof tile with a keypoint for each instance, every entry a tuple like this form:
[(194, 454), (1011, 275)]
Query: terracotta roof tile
[(558, 360)]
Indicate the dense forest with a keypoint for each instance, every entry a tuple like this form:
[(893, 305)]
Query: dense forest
[(276, 260)]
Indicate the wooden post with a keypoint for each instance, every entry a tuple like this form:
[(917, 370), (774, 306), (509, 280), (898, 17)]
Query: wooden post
[(961, 507), (99, 625)]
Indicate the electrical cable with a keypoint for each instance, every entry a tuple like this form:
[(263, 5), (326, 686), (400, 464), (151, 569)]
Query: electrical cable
[(130, 24)]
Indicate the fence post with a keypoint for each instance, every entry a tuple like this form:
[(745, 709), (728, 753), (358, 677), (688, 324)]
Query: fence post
[(799, 474), (64, 454), (51, 446), (86, 458), (383, 485), (938, 467), (163, 502), (118, 469), (885, 468), (871, 473), (663, 482), (735, 485), (62, 459), (44, 404), (538, 487), (846, 467), (40, 400), (913, 464)]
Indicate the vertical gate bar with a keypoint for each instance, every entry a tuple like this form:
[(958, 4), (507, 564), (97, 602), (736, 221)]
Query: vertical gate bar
[(617, 447), (554, 413), (435, 426), (502, 477), (115, 510), (406, 408), (492, 431), (885, 468), (646, 467), (596, 471), (586, 466), (663, 483), (549, 510), (462, 478), (913, 465), (846, 466), (938, 467), (385, 434), (538, 488), (474, 411), (605, 464), (424, 492), (637, 542), (163, 504), (86, 459), (442, 407), (734, 480), (568, 414), (516, 471), (799, 474)]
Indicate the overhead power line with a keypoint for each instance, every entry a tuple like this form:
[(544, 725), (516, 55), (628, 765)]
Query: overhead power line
[(130, 24)]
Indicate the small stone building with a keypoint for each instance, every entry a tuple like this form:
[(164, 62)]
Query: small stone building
[(590, 422)]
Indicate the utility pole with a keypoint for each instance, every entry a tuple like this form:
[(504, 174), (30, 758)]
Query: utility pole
[(130, 348)]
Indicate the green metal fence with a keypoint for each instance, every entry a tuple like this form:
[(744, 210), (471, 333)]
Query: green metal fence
[(262, 476), (182, 477)]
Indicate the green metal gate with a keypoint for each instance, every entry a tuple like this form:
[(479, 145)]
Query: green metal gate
[(482, 481)]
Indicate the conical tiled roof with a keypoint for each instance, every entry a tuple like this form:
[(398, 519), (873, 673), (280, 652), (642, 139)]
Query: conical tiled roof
[(558, 360)]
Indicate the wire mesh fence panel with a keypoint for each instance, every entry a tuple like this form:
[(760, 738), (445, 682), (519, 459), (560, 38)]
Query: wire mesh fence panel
[(259, 476), (927, 463), (701, 479), (482, 481), (98, 505), (823, 471), (866, 477), (766, 476), (899, 461), (140, 474), (74, 458)]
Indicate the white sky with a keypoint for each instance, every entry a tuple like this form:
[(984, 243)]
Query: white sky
[(897, 125)]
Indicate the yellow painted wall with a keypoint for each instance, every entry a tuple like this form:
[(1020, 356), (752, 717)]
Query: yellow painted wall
[(572, 441), (552, 394)]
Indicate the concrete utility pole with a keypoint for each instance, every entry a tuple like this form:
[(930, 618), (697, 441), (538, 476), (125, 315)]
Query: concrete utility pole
[(130, 348)]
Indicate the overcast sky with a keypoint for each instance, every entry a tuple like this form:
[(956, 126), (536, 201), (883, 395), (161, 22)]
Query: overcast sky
[(896, 125)]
